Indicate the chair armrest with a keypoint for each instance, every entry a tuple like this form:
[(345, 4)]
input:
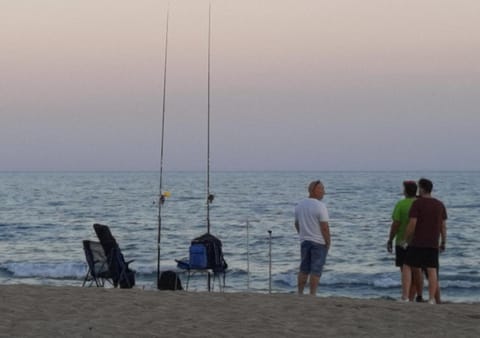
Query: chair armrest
[(184, 265)]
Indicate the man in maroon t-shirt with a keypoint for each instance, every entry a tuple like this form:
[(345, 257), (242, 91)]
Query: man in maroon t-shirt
[(427, 224)]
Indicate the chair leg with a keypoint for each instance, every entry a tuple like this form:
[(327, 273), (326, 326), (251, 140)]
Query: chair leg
[(124, 277), (188, 280), (209, 277), (86, 277), (220, 277)]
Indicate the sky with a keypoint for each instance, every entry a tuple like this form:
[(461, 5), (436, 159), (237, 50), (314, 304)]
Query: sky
[(295, 85)]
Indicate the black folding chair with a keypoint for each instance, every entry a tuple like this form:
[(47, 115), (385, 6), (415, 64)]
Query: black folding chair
[(98, 271), (121, 274)]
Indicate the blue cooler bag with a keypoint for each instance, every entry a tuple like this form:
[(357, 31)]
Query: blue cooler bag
[(198, 256)]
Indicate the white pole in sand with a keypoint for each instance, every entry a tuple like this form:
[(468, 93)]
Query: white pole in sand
[(270, 262), (248, 257)]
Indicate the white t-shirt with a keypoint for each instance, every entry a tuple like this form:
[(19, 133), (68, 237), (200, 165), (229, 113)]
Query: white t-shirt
[(309, 212)]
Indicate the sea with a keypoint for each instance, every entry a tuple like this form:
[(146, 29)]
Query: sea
[(45, 216)]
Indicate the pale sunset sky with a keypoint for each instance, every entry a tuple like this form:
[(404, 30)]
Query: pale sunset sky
[(295, 85)]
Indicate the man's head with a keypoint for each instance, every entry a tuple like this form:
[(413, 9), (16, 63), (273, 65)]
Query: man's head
[(316, 190), (410, 188), (425, 186)]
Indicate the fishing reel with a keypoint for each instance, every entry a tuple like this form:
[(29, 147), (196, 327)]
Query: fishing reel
[(163, 197)]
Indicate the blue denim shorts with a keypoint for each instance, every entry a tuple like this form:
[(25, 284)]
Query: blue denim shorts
[(314, 256)]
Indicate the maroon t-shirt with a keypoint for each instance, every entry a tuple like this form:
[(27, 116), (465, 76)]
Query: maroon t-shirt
[(430, 213)]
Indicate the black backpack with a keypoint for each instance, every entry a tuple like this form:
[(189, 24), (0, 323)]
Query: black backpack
[(169, 280), (206, 253)]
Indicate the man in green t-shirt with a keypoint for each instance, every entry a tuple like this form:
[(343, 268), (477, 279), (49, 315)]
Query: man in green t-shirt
[(400, 218)]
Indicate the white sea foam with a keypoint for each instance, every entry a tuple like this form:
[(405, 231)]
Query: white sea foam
[(46, 270), (387, 282)]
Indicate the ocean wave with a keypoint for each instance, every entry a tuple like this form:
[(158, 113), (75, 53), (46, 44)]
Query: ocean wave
[(286, 280), (334, 280), (386, 283), (459, 284), (78, 270), (375, 281), (46, 270)]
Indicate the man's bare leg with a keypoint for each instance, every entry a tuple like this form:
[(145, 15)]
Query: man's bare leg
[(432, 284), (301, 280), (412, 292), (406, 281), (438, 298), (314, 280), (417, 281)]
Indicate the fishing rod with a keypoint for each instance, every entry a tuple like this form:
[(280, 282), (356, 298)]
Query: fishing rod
[(162, 195), (210, 196)]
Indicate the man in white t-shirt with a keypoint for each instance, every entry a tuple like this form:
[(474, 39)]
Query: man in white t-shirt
[(311, 222)]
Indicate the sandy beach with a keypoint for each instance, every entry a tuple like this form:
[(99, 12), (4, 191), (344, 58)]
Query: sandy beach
[(40, 311)]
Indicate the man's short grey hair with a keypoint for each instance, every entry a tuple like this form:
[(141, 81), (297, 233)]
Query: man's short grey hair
[(313, 185)]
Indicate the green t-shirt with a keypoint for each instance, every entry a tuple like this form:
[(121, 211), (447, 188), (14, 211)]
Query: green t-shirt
[(400, 214)]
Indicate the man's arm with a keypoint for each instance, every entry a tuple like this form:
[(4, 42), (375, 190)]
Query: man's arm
[(443, 235), (393, 231), (325, 229), (297, 226), (412, 223)]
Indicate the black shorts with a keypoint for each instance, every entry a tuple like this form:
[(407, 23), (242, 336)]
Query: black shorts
[(422, 257), (400, 254)]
